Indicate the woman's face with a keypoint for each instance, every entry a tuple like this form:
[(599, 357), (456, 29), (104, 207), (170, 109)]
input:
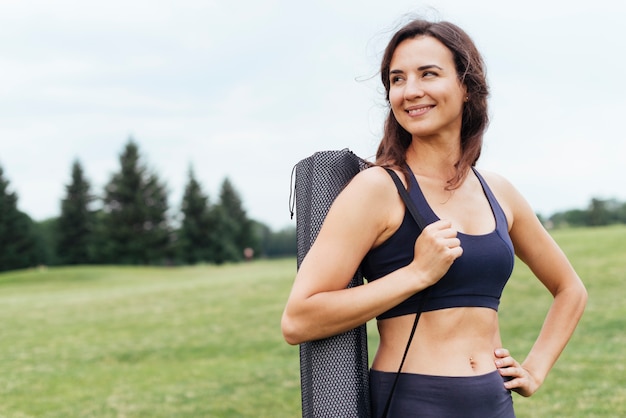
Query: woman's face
[(425, 93)]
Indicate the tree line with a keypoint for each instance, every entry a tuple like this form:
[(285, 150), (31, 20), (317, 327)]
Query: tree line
[(132, 223), (599, 212)]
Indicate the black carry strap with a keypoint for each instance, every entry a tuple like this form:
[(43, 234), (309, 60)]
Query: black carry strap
[(421, 224)]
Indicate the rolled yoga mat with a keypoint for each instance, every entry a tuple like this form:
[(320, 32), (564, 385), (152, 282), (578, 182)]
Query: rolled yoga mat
[(333, 371)]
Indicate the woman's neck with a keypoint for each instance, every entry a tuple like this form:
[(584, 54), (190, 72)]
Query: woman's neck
[(435, 159)]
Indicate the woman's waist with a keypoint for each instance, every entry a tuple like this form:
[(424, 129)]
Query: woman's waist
[(455, 343), (470, 361)]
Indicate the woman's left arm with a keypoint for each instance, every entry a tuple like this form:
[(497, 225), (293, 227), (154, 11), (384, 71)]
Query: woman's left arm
[(536, 248)]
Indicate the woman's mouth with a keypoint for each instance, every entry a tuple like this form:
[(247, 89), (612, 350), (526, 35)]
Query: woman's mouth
[(418, 110)]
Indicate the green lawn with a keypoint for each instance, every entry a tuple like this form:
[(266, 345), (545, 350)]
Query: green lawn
[(589, 378), (205, 341)]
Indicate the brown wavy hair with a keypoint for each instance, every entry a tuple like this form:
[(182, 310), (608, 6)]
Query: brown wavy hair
[(470, 69)]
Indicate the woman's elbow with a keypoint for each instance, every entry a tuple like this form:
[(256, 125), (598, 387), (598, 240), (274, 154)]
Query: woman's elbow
[(581, 293), (577, 296), (584, 296), (290, 331)]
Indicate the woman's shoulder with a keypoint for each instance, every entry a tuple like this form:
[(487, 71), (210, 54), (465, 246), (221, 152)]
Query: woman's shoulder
[(499, 184), (508, 196), (374, 179), (378, 201)]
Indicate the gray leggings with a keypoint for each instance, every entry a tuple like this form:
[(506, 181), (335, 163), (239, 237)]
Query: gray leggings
[(418, 395)]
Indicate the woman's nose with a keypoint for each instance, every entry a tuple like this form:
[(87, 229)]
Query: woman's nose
[(413, 89)]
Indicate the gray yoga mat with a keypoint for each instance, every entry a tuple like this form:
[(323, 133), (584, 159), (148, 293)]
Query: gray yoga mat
[(333, 371)]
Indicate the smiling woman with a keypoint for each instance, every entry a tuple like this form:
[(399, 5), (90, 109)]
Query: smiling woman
[(463, 68), (425, 94), (454, 270)]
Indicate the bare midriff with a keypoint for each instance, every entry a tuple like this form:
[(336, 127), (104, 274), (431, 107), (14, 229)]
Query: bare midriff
[(447, 342)]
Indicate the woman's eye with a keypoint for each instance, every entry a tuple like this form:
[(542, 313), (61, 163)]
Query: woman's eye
[(430, 74)]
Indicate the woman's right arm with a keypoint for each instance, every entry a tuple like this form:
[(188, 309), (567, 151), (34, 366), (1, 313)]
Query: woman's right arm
[(364, 214)]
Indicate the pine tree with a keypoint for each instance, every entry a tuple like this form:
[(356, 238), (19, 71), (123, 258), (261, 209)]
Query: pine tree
[(47, 239), (225, 231), (238, 231), (135, 219), (76, 223), (196, 235), (18, 246)]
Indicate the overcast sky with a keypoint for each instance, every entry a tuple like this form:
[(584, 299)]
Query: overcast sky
[(245, 89)]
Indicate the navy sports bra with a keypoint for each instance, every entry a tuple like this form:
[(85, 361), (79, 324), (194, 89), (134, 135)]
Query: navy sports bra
[(476, 279)]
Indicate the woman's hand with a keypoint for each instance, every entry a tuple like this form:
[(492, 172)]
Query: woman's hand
[(521, 380), (436, 248)]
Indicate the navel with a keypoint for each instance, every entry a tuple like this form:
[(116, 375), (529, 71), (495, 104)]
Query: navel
[(472, 362)]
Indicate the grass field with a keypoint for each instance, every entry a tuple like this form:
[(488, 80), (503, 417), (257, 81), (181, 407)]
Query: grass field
[(205, 341)]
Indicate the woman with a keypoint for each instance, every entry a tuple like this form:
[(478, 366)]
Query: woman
[(456, 366)]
